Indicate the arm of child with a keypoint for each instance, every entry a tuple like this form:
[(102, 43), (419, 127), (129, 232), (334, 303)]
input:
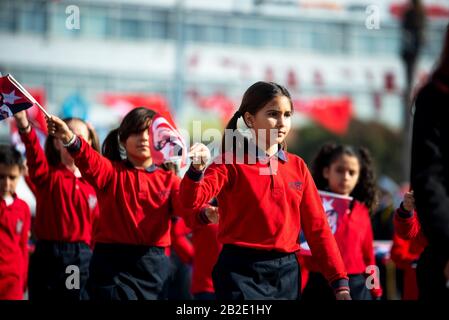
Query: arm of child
[(320, 238), (97, 169), (38, 168), (200, 214), (199, 186)]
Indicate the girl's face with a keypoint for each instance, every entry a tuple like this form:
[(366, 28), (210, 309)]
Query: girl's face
[(273, 120), (343, 174), (137, 146)]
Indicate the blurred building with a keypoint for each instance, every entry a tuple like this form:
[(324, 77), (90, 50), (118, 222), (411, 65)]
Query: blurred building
[(185, 49)]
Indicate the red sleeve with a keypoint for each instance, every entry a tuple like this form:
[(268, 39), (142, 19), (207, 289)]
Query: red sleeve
[(24, 244), (368, 256), (400, 252), (97, 169), (181, 244), (406, 227), (193, 217), (317, 231), (38, 167)]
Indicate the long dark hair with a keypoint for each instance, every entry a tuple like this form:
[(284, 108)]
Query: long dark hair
[(254, 99), (54, 156), (135, 121), (366, 189)]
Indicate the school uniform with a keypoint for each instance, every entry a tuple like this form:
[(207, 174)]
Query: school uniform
[(15, 218), (354, 238), (66, 209), (133, 229), (264, 203)]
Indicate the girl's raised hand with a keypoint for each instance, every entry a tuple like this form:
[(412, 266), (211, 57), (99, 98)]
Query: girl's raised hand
[(200, 156), (409, 201), (59, 129)]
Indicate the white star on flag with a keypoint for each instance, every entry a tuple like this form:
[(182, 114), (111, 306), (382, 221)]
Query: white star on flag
[(327, 204), (10, 97)]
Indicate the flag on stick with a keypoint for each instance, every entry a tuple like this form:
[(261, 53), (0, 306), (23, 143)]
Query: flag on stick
[(14, 98), (166, 144)]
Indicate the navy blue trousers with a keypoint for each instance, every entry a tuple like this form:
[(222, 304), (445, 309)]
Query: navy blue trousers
[(49, 277), (250, 274), (128, 272)]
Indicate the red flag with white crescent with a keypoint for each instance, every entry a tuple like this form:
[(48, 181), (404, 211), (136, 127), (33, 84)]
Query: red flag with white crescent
[(166, 144)]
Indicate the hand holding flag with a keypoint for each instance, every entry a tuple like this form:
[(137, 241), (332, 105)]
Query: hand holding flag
[(200, 155), (59, 129), (166, 144), (14, 98)]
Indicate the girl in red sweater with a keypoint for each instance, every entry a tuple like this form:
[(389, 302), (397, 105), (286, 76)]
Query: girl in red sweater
[(66, 209), (265, 197), (347, 171), (136, 200)]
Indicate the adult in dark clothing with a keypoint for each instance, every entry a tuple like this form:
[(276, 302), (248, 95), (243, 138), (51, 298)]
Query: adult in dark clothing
[(430, 179)]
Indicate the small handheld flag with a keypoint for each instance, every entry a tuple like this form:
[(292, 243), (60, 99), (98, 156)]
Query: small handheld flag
[(14, 98), (335, 206), (166, 144)]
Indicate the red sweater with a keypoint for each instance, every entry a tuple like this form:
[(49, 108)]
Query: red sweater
[(266, 211), (407, 227), (15, 222), (66, 206), (354, 237), (135, 205)]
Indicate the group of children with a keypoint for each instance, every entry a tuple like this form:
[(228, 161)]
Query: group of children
[(110, 214)]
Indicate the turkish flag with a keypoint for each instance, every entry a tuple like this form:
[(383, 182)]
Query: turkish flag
[(335, 206), (12, 99), (334, 114), (166, 144), (35, 117)]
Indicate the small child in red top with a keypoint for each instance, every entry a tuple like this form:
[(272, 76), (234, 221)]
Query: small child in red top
[(408, 244), (14, 227), (347, 171), (137, 200), (265, 197), (66, 211)]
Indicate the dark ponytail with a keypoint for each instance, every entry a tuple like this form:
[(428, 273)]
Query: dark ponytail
[(111, 147)]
